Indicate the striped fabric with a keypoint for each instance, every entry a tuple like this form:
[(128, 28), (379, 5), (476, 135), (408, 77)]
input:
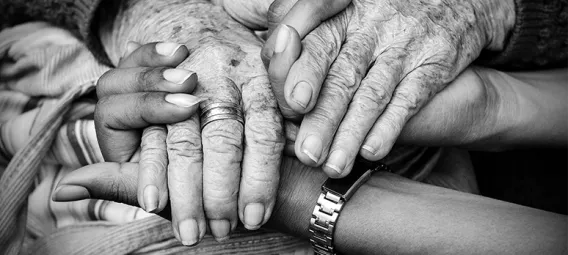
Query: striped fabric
[(46, 130)]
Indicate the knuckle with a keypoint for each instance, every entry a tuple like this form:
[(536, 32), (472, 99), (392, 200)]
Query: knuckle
[(118, 189), (344, 81), (383, 74), (371, 98), (153, 136), (265, 136), (406, 100), (262, 183), (218, 194), (334, 92), (184, 142), (392, 122), (324, 41), (223, 136), (153, 165), (103, 84), (324, 117), (348, 137), (147, 78)]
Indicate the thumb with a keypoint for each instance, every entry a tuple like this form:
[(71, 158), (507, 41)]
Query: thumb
[(107, 181), (302, 15)]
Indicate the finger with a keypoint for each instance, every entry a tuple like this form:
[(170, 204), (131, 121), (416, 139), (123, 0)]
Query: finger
[(303, 15), (264, 144), (277, 12), (110, 181), (291, 131), (146, 79), (185, 180), (287, 51), (117, 117), (152, 180), (319, 126), (410, 95), (307, 74), (156, 54), (368, 103), (222, 157), (107, 181)]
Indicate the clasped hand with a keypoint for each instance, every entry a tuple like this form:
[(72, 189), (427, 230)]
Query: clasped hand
[(358, 78)]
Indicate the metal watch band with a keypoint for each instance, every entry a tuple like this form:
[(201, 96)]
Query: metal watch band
[(330, 202), (323, 221)]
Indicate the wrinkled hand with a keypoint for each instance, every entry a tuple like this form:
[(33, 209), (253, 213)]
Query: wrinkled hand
[(365, 72), (226, 57)]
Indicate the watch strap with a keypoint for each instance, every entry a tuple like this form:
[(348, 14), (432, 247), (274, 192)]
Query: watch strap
[(327, 209), (322, 223)]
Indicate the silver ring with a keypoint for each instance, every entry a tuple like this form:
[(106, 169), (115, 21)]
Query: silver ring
[(219, 105), (221, 111)]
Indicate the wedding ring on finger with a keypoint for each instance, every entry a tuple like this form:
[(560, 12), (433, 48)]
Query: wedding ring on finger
[(221, 111)]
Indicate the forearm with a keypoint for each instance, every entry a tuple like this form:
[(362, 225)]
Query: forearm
[(484, 109), (392, 215), (531, 109)]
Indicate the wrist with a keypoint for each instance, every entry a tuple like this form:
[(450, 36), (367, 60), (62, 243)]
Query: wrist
[(298, 192)]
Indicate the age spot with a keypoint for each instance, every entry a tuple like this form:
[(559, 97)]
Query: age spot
[(235, 62)]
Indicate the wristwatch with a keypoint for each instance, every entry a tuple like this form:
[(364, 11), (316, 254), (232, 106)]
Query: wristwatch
[(335, 192)]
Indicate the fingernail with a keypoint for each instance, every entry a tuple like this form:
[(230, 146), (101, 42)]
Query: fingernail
[(369, 149), (312, 147), (302, 94), (282, 39), (220, 229), (151, 197), (177, 76), (183, 100), (70, 193), (167, 48), (371, 145), (254, 215), (188, 232), (337, 162)]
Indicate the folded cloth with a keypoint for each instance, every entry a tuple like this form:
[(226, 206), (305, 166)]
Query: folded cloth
[(47, 130)]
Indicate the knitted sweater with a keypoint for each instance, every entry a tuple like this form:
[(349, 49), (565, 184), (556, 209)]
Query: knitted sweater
[(538, 40)]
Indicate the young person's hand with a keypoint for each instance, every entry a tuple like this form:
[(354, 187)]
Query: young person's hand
[(136, 100)]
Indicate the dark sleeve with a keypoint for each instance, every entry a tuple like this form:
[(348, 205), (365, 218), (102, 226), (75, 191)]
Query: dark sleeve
[(539, 39), (78, 16)]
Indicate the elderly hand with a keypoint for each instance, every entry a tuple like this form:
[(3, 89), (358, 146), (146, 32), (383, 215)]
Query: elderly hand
[(207, 161), (365, 72)]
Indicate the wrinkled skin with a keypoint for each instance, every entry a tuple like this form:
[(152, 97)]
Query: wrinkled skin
[(369, 69), (226, 57)]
